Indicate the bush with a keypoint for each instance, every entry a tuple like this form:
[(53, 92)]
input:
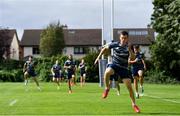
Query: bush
[(92, 70), (156, 76), (11, 76), (11, 64), (45, 64)]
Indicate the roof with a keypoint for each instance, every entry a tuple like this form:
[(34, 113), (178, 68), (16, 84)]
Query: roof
[(9, 34), (90, 37), (72, 37), (140, 36), (85, 37), (31, 37)]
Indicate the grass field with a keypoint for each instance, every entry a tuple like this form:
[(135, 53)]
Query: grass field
[(15, 100)]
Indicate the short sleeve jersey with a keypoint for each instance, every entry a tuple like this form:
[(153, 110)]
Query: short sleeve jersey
[(29, 66), (70, 63), (82, 66), (56, 68), (139, 57), (120, 54)]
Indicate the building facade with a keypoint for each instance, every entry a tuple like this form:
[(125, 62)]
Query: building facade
[(79, 42), (11, 42)]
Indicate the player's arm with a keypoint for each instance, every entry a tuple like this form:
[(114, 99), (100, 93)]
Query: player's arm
[(24, 67), (132, 61), (66, 67), (144, 64), (132, 58), (52, 71), (103, 50)]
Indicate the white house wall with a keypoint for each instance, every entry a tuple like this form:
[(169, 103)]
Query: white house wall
[(14, 48), (27, 51), (145, 49), (70, 50)]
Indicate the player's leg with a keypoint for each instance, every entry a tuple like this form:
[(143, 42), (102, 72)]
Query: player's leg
[(73, 80), (136, 86), (109, 71), (127, 82), (81, 78), (117, 87), (69, 81), (26, 78), (84, 78), (57, 80), (136, 79), (141, 79), (37, 83)]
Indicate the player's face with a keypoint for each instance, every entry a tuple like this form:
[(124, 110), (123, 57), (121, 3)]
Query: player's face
[(82, 60), (30, 59), (123, 39), (136, 50), (70, 57)]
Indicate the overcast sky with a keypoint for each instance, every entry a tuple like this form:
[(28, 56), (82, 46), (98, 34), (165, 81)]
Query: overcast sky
[(37, 14)]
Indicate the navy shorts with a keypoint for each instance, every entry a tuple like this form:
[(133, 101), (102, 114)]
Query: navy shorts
[(115, 77), (82, 73), (69, 75), (135, 70), (122, 72), (57, 75), (31, 73)]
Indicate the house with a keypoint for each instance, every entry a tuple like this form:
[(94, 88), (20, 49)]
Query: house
[(143, 37), (11, 42), (79, 42)]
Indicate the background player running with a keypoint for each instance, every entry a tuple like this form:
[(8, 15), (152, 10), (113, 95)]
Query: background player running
[(29, 71), (56, 72)]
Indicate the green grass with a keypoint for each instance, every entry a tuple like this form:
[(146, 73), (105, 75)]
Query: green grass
[(158, 100)]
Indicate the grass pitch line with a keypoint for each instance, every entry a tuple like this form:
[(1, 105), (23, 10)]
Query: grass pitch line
[(13, 102), (156, 97)]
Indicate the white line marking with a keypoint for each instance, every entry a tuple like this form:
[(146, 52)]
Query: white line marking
[(168, 100), (13, 102)]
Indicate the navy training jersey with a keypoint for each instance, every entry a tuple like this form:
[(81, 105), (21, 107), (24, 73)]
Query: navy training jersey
[(120, 54), (82, 66), (56, 68), (139, 57), (29, 66), (70, 63)]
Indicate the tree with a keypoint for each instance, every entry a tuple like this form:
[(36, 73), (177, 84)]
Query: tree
[(52, 40), (166, 50)]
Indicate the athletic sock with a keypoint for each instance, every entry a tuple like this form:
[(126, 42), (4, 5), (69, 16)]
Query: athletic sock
[(25, 82)]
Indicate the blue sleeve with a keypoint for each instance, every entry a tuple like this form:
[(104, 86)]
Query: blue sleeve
[(65, 64), (113, 44)]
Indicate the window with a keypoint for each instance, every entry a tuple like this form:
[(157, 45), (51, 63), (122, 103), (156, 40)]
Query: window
[(132, 32), (36, 50), (71, 32), (79, 50), (136, 32)]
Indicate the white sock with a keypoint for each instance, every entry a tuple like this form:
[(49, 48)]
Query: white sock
[(26, 81)]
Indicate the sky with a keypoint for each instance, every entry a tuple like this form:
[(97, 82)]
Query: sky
[(76, 14)]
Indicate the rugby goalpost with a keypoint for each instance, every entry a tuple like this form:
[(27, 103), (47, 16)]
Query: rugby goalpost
[(103, 62)]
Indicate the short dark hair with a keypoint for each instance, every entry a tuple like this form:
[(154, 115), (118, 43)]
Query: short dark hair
[(136, 46), (124, 33), (30, 56)]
